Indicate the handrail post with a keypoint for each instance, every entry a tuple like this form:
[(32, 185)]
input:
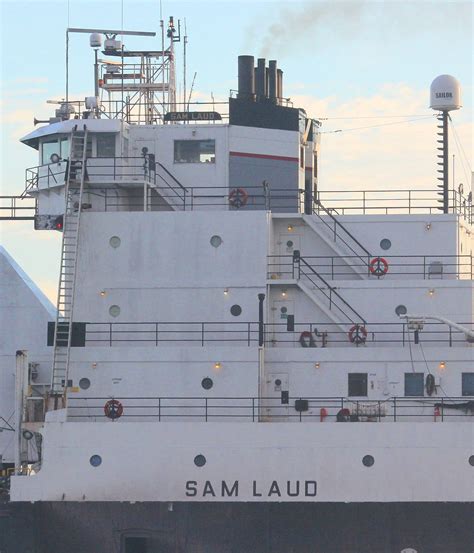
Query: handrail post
[(202, 334), (394, 409), (253, 409), (206, 407), (156, 334), (110, 334), (159, 409), (442, 409), (248, 334)]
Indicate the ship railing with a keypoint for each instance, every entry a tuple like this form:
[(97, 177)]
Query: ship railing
[(281, 334), (393, 201), (98, 169), (427, 267), (340, 233), (136, 112), (276, 408), (17, 208), (335, 300)]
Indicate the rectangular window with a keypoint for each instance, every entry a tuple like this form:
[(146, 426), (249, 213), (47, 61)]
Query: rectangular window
[(48, 149), (194, 151), (106, 145), (357, 384), (315, 166), (468, 384), (301, 157), (136, 544), (414, 384)]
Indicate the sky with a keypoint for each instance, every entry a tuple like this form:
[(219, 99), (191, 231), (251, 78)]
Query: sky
[(357, 65)]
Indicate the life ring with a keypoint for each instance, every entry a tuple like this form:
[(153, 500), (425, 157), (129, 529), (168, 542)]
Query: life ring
[(113, 409), (357, 334), (238, 198), (378, 266), (306, 339), (430, 384)]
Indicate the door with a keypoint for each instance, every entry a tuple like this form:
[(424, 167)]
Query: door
[(280, 310), (275, 399), (287, 244)]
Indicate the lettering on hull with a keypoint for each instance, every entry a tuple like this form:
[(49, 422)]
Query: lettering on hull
[(274, 490)]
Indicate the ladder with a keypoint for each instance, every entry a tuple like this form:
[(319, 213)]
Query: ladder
[(75, 176)]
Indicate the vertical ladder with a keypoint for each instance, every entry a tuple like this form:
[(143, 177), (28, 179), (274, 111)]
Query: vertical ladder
[(74, 188)]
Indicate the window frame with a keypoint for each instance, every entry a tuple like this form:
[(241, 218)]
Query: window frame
[(464, 376), (349, 383), (418, 375), (212, 161)]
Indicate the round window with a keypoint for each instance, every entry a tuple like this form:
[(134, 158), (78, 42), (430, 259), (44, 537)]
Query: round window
[(368, 460), (401, 310), (289, 244), (199, 460), (115, 241), (84, 383), (283, 310), (114, 310), (95, 460), (236, 310), (471, 460), (207, 383), (385, 244), (215, 241)]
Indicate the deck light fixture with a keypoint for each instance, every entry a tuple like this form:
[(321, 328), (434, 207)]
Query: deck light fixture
[(283, 294), (431, 292), (290, 228), (217, 365), (428, 226), (103, 293), (442, 365), (317, 365), (226, 291)]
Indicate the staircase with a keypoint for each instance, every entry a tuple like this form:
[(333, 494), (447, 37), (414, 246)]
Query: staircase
[(341, 240), (324, 295), (76, 172)]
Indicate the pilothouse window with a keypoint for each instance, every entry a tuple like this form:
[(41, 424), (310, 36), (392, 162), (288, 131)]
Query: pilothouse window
[(106, 145), (194, 151)]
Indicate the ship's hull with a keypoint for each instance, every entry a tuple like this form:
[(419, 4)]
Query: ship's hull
[(239, 527)]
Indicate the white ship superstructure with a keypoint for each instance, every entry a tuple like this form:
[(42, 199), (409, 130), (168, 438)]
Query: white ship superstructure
[(219, 316)]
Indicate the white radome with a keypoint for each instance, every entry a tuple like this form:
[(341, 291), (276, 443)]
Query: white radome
[(445, 93)]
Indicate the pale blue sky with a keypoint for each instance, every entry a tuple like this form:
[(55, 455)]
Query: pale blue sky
[(340, 59)]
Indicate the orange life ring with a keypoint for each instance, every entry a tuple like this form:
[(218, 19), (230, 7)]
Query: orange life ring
[(358, 334), (306, 339), (238, 198), (113, 409), (378, 266)]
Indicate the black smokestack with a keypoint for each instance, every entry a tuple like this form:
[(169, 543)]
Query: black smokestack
[(280, 86), (246, 78), (261, 80), (272, 80)]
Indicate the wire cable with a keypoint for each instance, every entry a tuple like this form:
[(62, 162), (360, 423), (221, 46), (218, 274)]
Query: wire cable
[(376, 126)]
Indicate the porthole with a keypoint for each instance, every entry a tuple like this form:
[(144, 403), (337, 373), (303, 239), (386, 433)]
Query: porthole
[(199, 460), (236, 310), (289, 244), (114, 310), (401, 310), (283, 310), (84, 383), (207, 383), (385, 244), (471, 460), (368, 460), (215, 241), (95, 460), (115, 241)]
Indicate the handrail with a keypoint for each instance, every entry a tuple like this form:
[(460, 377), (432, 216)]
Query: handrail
[(334, 266), (172, 176), (300, 408), (298, 259), (337, 223)]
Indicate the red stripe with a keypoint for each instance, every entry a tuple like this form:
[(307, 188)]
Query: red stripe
[(264, 156)]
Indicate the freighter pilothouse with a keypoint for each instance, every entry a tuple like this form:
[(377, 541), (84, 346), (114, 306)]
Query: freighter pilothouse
[(239, 361)]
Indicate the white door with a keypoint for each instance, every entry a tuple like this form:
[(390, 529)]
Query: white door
[(276, 397), (287, 244), (280, 310)]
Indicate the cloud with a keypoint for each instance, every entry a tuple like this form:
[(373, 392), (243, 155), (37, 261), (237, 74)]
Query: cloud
[(401, 154)]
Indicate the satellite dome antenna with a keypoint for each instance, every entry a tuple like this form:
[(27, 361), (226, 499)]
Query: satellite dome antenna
[(445, 95)]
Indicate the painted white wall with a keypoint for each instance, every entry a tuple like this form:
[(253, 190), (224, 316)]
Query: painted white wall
[(24, 314), (413, 462), (165, 268)]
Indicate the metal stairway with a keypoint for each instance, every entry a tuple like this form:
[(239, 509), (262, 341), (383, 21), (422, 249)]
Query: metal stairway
[(76, 173)]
